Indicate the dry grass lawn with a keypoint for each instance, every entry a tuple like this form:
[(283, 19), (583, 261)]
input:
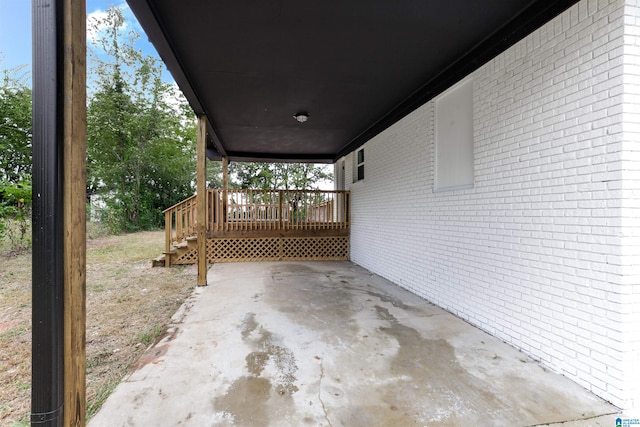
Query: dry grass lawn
[(129, 304)]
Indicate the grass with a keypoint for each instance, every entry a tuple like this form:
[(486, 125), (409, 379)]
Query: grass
[(129, 305), (149, 337), (12, 243), (102, 393)]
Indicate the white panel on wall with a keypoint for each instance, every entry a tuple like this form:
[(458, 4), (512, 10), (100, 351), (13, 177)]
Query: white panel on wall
[(454, 138)]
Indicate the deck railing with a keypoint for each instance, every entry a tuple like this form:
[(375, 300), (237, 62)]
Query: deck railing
[(239, 210), (243, 210)]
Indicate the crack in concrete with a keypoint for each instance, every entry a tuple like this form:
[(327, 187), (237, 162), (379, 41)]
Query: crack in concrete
[(324, 409), (557, 423)]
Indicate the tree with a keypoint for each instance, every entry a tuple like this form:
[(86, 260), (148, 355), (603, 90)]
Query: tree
[(214, 174), (15, 125), (15, 157), (140, 132), (15, 213), (285, 176)]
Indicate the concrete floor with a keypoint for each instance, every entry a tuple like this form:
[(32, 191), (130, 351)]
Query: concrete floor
[(330, 344)]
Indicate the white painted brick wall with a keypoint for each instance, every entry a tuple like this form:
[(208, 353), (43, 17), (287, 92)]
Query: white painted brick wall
[(544, 251), (629, 202)]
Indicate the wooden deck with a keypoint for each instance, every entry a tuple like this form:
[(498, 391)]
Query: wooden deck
[(261, 225)]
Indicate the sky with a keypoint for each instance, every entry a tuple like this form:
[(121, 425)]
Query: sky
[(15, 30)]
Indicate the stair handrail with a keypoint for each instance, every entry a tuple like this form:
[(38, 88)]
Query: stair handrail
[(179, 223), (179, 203)]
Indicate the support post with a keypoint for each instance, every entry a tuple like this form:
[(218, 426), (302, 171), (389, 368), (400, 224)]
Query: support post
[(75, 179), (201, 201), (47, 366), (59, 246), (225, 187)]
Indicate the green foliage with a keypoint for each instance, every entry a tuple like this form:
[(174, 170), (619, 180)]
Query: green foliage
[(214, 174), (15, 159), (15, 214), (140, 134), (285, 176), (15, 125)]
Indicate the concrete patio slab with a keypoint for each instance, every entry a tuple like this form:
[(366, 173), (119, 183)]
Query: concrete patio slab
[(330, 344)]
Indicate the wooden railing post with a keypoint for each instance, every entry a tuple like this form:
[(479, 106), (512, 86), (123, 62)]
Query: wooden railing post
[(218, 203), (167, 238), (225, 189), (280, 211)]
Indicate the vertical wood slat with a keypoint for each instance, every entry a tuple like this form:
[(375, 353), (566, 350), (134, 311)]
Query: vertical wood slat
[(179, 220), (342, 208), (225, 192), (212, 201), (216, 210), (316, 222), (207, 198), (246, 210), (280, 211), (201, 201), (75, 149), (215, 213), (167, 238)]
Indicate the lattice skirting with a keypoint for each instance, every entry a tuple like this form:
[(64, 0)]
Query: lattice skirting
[(189, 257), (271, 249), (278, 248)]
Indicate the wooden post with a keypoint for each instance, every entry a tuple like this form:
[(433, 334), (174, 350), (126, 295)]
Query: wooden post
[(75, 178), (167, 237), (280, 212), (225, 188), (201, 201)]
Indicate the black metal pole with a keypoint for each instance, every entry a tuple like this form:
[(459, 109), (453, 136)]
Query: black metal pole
[(47, 384)]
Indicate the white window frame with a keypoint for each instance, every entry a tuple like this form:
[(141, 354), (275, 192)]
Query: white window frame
[(357, 164)]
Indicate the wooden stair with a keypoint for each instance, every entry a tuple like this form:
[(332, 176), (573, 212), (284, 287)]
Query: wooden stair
[(179, 253)]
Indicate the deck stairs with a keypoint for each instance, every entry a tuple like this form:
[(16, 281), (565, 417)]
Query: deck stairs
[(178, 251)]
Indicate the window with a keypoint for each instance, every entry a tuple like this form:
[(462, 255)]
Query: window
[(454, 138), (358, 167)]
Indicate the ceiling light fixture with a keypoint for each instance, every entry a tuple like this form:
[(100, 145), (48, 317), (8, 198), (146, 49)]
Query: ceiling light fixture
[(301, 117)]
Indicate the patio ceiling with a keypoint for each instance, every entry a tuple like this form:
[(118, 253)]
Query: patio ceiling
[(355, 67)]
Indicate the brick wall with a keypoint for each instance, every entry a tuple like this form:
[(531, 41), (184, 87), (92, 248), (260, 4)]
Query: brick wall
[(629, 293), (544, 251)]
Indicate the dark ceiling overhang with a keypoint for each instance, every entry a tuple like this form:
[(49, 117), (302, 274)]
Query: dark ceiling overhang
[(355, 67)]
